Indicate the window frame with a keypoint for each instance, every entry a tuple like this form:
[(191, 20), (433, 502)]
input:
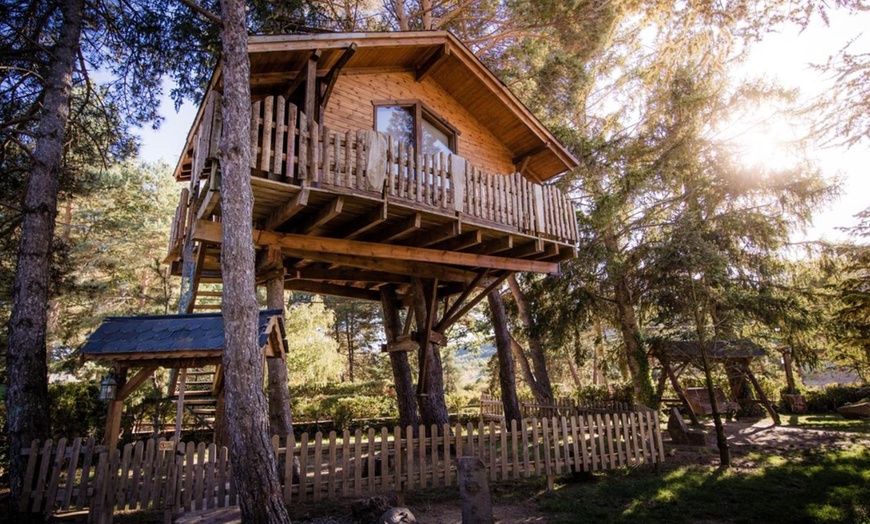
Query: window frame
[(421, 111)]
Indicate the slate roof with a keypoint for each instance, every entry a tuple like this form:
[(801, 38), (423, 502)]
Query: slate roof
[(722, 349), (168, 333)]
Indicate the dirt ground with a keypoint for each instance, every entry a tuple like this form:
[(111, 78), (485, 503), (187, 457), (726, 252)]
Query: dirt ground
[(443, 508)]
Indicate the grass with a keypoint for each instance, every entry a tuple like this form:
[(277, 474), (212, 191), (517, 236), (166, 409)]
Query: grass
[(828, 422), (819, 486)]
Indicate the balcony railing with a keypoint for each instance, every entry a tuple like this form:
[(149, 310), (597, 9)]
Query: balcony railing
[(288, 147)]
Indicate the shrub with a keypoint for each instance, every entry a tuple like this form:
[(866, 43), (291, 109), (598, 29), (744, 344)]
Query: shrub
[(76, 410), (829, 398), (620, 393)]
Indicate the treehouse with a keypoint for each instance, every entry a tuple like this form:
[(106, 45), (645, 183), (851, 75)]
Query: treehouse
[(378, 158), (384, 166)]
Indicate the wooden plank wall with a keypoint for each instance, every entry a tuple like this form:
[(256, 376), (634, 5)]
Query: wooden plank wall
[(351, 108), (157, 474)]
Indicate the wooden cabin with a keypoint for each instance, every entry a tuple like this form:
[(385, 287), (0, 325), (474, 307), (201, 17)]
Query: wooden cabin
[(378, 158)]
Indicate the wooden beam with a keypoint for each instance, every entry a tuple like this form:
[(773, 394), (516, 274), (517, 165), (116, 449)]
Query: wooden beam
[(551, 250), (761, 395), (323, 288), (288, 210), (328, 81), (133, 384), (439, 234), (302, 76), (374, 218), (565, 253), (208, 307), (312, 103), (344, 274), (211, 232), (400, 345), (519, 159), (463, 241), (465, 292), (491, 247), (400, 230), (401, 267), (446, 322), (321, 218), (197, 276), (432, 302), (422, 69), (526, 250)]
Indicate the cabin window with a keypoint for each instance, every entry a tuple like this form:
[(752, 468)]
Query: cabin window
[(414, 124)]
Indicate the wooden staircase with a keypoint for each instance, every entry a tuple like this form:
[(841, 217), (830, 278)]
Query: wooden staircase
[(195, 389)]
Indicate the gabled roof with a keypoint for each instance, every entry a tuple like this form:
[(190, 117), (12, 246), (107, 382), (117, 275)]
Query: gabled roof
[(681, 350), (275, 60), (197, 335)]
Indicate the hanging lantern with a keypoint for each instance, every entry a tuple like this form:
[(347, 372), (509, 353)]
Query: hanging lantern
[(108, 387)]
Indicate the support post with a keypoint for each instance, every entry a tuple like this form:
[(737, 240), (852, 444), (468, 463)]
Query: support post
[(116, 408), (280, 418), (761, 396), (179, 410), (679, 390)]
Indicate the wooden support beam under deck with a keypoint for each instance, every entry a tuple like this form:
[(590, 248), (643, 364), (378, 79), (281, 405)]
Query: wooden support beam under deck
[(322, 217), (401, 267), (211, 232), (345, 274), (463, 241), (288, 210), (323, 288), (398, 231), (491, 247), (376, 217), (439, 234)]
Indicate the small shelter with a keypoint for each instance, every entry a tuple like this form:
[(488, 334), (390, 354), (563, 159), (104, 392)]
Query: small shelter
[(180, 342), (735, 355)]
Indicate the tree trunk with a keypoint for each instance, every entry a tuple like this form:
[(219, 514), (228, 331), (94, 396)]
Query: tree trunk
[(280, 418), (26, 360), (253, 463), (433, 408), (599, 378), (399, 360), (544, 393), (635, 355), (506, 365)]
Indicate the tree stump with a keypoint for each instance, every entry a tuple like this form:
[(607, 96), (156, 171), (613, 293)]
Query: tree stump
[(474, 491)]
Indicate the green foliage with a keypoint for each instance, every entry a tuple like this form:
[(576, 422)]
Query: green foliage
[(828, 399), (313, 360), (616, 392), (344, 402), (76, 410)]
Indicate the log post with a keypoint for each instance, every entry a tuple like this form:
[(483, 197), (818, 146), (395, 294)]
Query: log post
[(474, 491)]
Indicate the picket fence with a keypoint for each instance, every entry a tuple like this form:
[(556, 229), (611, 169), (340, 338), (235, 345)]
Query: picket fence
[(180, 478), (492, 408)]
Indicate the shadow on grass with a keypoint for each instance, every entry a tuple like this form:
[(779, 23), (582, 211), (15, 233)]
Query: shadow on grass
[(809, 486)]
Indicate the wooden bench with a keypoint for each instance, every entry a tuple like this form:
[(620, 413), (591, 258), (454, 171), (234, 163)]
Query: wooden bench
[(699, 400)]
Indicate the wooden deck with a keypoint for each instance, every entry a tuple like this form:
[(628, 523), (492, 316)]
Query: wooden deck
[(364, 186)]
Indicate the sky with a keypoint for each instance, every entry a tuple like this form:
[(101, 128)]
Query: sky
[(784, 57)]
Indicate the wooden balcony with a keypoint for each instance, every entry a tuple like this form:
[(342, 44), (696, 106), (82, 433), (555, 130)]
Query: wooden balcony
[(364, 185)]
